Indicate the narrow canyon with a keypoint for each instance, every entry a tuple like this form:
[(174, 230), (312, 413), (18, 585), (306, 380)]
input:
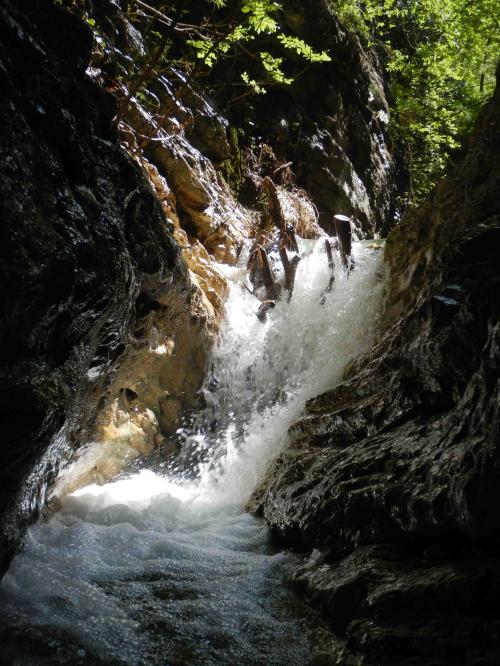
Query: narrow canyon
[(249, 391)]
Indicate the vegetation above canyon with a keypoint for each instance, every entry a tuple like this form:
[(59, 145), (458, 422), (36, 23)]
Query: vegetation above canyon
[(440, 58)]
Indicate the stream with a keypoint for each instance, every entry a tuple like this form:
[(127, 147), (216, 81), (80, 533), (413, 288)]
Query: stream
[(164, 566)]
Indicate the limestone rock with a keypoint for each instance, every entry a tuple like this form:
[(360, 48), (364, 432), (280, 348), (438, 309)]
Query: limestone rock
[(205, 204), (90, 270), (332, 124), (404, 454)]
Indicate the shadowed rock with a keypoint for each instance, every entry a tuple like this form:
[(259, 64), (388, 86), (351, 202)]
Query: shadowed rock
[(405, 452), (87, 259)]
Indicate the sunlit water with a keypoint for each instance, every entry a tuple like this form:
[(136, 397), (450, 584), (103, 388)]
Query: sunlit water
[(169, 569)]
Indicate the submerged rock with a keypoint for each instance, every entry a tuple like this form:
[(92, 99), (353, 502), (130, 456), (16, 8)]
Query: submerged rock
[(395, 473)]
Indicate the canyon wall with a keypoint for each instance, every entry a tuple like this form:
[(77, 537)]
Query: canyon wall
[(392, 477), (332, 124), (96, 294), (114, 220)]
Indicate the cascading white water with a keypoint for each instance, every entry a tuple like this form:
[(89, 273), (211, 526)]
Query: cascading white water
[(161, 569), (262, 374)]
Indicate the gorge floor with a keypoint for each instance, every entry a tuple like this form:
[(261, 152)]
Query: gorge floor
[(168, 568)]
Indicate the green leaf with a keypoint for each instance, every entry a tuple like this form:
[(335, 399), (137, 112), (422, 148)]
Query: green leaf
[(301, 48), (259, 90), (273, 68)]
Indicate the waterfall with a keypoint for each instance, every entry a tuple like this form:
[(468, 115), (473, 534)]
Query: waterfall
[(167, 567), (263, 373)]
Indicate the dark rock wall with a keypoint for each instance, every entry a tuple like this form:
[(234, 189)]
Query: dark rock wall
[(395, 474), (332, 123), (84, 250), (90, 271)]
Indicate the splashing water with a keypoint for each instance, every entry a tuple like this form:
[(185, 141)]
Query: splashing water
[(262, 374), (170, 569)]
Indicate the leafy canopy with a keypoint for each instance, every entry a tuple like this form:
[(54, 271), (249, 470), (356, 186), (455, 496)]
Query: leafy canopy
[(441, 55), (256, 19)]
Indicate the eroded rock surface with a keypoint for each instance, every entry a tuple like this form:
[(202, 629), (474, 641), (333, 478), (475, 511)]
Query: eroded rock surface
[(395, 474), (114, 219), (332, 123), (94, 285)]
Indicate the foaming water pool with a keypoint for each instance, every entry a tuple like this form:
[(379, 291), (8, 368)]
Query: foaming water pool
[(153, 579), (168, 568)]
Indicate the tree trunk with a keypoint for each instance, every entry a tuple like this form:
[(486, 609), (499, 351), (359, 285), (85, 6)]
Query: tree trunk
[(290, 268), (344, 235), (331, 263), (268, 275)]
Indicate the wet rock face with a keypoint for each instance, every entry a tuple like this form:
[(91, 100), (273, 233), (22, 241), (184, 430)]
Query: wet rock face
[(106, 328), (395, 474), (332, 123), (85, 251)]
